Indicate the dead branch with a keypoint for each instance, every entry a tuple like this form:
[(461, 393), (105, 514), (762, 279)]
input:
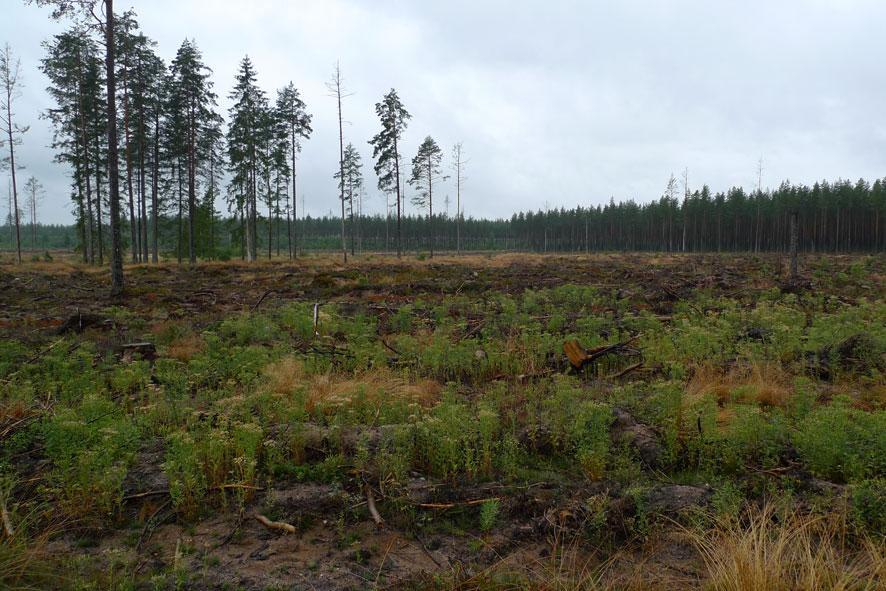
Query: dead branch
[(261, 299), (579, 356), (150, 524), (370, 503), (142, 495), (626, 370), (460, 504), (275, 525), (4, 515)]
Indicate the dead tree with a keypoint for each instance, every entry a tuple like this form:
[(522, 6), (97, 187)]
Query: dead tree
[(10, 69)]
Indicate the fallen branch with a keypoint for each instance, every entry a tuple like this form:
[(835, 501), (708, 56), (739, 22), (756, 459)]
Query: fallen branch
[(261, 299), (165, 491), (8, 378), (275, 525), (626, 370), (390, 348), (150, 525), (370, 503), (452, 505), (243, 486), (141, 495), (479, 326), (7, 522)]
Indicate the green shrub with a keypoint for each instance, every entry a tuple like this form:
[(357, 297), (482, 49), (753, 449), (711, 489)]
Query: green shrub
[(590, 437), (488, 514), (841, 443), (187, 482), (91, 447), (868, 499)]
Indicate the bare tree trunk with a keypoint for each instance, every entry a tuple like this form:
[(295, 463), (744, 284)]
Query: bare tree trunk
[(178, 246), (143, 214), (397, 175), (192, 186), (10, 83), (98, 204), (113, 185), (430, 207), (155, 213), (794, 242), (341, 162), (128, 155), (88, 253)]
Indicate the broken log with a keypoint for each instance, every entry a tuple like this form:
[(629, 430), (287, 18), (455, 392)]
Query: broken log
[(580, 357), (147, 350), (80, 322)]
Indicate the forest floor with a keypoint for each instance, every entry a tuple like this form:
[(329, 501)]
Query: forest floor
[(511, 421)]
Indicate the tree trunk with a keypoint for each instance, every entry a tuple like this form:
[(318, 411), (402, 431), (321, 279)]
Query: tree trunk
[(128, 156), (192, 185), (341, 162), (794, 241), (155, 179), (98, 202), (18, 238), (113, 186)]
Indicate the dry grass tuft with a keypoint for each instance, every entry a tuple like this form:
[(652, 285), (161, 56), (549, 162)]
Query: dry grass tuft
[(770, 552), (331, 391), (765, 384), (185, 348), (373, 387), (285, 375)]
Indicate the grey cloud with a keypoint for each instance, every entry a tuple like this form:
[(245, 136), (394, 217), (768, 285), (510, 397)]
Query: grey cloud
[(563, 102)]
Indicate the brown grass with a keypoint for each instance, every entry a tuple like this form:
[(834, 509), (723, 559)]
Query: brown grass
[(285, 375), (330, 391), (770, 552), (375, 386), (185, 348), (765, 384)]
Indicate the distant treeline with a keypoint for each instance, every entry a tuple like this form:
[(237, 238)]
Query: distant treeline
[(833, 217)]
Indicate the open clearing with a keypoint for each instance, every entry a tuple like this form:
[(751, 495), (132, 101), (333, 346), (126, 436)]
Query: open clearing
[(421, 424)]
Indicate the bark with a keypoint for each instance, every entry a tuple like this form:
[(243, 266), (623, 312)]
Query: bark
[(155, 178), (128, 155), (117, 284), (192, 185)]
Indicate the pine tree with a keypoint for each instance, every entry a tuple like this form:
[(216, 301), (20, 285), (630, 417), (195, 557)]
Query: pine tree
[(297, 122), (64, 67), (350, 182), (243, 150), (86, 11), (386, 150), (425, 171), (192, 93)]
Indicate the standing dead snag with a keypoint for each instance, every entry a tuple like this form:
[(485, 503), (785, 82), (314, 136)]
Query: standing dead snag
[(9, 79), (337, 92)]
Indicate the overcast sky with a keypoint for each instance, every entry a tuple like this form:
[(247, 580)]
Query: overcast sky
[(557, 102)]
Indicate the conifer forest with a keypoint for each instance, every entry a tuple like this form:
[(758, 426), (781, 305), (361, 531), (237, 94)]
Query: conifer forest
[(301, 335)]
